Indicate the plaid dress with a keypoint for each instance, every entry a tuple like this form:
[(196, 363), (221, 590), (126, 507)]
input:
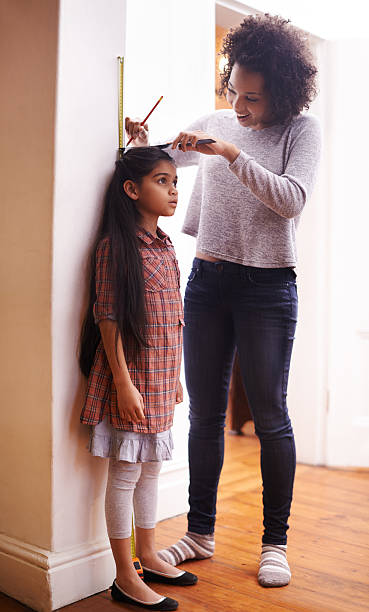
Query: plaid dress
[(157, 376)]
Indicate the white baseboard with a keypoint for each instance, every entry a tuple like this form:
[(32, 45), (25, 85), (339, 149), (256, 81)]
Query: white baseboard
[(45, 580), (173, 490)]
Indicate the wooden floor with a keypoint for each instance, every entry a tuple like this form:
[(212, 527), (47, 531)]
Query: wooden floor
[(328, 544)]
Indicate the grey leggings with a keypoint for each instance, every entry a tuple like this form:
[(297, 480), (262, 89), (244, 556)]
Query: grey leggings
[(131, 486)]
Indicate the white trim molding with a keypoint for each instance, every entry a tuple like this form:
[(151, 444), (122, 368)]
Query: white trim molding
[(173, 489), (46, 580)]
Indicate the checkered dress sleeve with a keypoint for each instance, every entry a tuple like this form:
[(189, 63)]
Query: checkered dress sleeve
[(104, 306)]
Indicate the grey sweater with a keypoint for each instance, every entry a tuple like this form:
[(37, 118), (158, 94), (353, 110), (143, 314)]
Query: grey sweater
[(247, 212)]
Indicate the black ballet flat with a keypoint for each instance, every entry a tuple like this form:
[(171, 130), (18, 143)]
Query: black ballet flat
[(185, 579), (165, 604)]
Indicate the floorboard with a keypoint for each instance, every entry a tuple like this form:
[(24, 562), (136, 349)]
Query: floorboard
[(328, 544)]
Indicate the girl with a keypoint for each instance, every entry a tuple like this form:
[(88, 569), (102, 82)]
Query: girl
[(130, 352), (251, 188)]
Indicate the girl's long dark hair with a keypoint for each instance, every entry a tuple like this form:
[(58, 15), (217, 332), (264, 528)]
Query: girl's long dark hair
[(119, 225)]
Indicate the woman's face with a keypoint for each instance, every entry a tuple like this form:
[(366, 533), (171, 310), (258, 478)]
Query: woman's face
[(248, 97)]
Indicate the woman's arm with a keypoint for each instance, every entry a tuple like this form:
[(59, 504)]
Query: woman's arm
[(285, 194), (130, 401), (140, 135)]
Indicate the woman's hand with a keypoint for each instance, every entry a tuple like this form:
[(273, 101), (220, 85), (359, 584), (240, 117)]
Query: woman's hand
[(130, 403), (138, 132), (188, 142), (179, 393)]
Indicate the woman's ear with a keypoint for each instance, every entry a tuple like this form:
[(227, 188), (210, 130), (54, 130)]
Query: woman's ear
[(130, 188)]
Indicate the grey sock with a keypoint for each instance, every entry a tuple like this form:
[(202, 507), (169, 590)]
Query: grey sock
[(274, 570), (191, 546)]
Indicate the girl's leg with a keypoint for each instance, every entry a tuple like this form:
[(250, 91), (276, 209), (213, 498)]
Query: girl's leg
[(122, 479), (265, 320), (208, 357), (145, 505)]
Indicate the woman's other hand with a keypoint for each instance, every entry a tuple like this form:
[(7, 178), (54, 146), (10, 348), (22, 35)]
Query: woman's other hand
[(139, 133), (188, 142), (179, 393), (130, 403)]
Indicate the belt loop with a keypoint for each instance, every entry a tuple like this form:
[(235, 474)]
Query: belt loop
[(200, 268)]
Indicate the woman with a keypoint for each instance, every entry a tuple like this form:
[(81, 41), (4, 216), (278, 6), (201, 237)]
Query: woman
[(252, 185)]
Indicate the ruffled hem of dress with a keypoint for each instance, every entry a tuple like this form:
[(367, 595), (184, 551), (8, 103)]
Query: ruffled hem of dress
[(133, 451)]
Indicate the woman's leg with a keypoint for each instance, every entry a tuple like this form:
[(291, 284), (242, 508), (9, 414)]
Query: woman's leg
[(265, 321), (122, 479), (208, 357)]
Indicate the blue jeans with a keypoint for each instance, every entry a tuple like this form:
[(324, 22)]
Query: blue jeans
[(229, 305)]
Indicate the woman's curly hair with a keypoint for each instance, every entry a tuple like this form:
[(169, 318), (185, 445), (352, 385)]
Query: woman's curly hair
[(271, 46)]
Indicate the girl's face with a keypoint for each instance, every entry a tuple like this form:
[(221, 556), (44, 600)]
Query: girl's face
[(248, 97), (157, 193)]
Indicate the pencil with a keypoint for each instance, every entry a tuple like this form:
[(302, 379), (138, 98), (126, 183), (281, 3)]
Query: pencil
[(146, 118)]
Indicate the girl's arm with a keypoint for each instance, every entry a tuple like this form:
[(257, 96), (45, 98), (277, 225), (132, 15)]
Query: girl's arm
[(130, 401), (179, 393)]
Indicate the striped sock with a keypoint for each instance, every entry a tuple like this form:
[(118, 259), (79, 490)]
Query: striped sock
[(274, 570), (191, 546)]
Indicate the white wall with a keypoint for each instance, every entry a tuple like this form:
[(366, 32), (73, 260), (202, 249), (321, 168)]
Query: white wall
[(86, 143), (308, 384), (91, 36), (348, 415)]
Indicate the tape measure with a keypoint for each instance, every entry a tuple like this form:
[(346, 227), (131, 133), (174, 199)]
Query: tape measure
[(135, 560), (120, 105)]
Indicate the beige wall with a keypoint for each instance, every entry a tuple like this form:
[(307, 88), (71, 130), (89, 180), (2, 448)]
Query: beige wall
[(220, 32), (28, 76)]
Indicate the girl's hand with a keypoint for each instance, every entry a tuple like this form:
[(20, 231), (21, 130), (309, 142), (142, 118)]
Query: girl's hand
[(130, 403), (138, 132), (179, 394), (188, 142)]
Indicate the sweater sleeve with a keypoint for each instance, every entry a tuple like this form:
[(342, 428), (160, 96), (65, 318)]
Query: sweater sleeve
[(287, 193)]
